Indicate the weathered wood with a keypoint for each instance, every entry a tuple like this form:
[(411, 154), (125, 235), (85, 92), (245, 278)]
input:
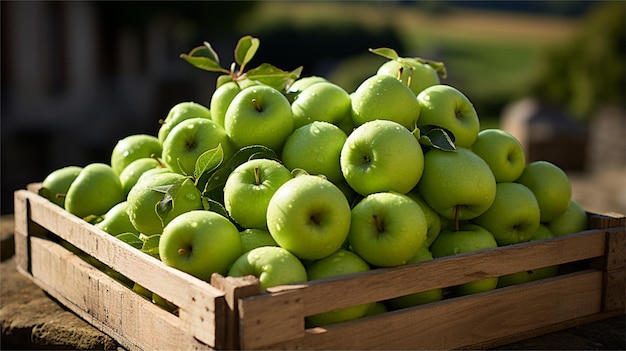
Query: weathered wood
[(464, 321)]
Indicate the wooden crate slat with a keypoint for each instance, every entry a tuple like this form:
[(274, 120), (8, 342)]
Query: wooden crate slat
[(117, 311), (201, 306), (464, 321)]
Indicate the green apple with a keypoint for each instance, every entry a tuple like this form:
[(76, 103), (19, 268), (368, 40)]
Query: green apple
[(95, 190), (387, 229), (116, 220), (415, 74), (381, 155), (323, 101), (551, 187), (302, 83), (420, 298), (200, 243), (470, 238), (155, 200), (339, 263), (384, 97), (445, 106), (259, 115), (181, 112), (135, 169), (56, 184), (514, 215), (503, 153), (573, 220), (457, 184), (315, 148), (221, 99), (309, 216), (249, 188), (527, 276), (134, 147), (433, 220), (189, 139), (272, 265), (252, 238)]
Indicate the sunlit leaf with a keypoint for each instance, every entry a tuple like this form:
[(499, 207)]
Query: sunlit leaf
[(131, 239), (245, 49), (209, 161), (439, 67), (169, 191), (204, 57), (275, 77), (386, 52), (150, 245), (436, 137)]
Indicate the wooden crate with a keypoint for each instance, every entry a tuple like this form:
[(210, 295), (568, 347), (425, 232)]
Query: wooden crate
[(232, 313)]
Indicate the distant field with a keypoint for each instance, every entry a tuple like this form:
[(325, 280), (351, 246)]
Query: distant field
[(491, 56)]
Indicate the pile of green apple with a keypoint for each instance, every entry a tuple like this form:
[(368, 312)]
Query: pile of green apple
[(293, 178)]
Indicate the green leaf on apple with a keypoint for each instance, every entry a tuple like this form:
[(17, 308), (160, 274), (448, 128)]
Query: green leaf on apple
[(251, 152), (150, 245), (215, 206), (204, 57), (209, 161), (386, 52), (245, 50), (165, 206), (439, 67), (131, 239), (215, 183), (273, 76), (435, 137)]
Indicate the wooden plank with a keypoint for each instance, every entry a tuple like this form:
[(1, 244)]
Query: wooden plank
[(202, 307), (105, 303), (464, 321)]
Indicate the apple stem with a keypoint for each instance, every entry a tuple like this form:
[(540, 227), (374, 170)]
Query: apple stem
[(409, 78), (161, 121), (161, 164), (456, 217), (183, 250), (257, 178), (59, 195), (256, 105), (379, 224), (400, 70)]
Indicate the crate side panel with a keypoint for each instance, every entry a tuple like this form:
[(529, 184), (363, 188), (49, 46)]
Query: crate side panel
[(469, 320), (105, 303)]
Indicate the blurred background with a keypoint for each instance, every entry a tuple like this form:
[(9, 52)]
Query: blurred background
[(79, 75)]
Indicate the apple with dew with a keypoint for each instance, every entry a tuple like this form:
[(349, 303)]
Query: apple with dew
[(272, 265), (315, 148), (309, 216), (503, 153), (178, 113), (551, 187), (133, 147), (339, 263), (384, 97), (527, 276), (387, 229), (415, 74), (323, 101), (249, 188), (56, 184), (433, 220), (95, 190), (573, 220), (221, 99), (252, 238), (420, 298), (302, 83), (259, 115), (189, 139), (513, 217), (457, 184), (200, 243), (447, 107), (131, 173), (116, 220), (155, 200), (469, 238), (381, 155)]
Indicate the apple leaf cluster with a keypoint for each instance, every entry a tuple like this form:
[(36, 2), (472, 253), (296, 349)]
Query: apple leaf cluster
[(292, 178)]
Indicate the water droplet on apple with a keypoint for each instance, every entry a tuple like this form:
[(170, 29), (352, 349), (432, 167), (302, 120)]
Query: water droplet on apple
[(126, 153), (194, 224)]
